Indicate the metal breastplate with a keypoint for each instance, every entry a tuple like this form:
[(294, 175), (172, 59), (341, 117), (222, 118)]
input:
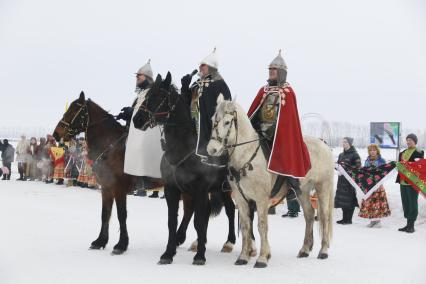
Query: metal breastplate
[(268, 114)]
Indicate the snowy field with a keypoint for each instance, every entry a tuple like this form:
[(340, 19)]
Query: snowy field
[(47, 229)]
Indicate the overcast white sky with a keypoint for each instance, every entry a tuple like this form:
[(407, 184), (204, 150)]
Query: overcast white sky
[(355, 61)]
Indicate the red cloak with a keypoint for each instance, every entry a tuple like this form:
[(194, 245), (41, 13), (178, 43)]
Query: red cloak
[(289, 156)]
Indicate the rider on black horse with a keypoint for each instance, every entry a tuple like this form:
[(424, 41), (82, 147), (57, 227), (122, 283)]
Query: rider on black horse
[(202, 97)]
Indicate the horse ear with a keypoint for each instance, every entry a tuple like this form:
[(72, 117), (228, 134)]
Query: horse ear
[(220, 99), (158, 79), (82, 97), (168, 80)]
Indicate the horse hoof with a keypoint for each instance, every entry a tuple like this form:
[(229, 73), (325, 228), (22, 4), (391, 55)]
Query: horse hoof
[(227, 247), (322, 255), (96, 247), (302, 254), (260, 264), (199, 262), (117, 251), (241, 262), (165, 261)]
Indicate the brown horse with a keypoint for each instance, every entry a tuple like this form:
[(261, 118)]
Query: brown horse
[(106, 146), (105, 139)]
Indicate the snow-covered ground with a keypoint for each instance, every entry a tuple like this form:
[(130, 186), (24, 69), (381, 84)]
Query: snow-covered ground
[(46, 231)]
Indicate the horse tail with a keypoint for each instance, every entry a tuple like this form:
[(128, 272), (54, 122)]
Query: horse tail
[(327, 201), (216, 203), (330, 210)]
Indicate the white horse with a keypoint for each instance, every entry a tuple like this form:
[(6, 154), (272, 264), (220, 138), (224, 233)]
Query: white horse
[(231, 126)]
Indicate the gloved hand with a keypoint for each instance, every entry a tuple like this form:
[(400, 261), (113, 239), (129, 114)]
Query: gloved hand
[(125, 114), (185, 81)]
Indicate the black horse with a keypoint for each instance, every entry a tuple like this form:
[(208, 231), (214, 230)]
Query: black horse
[(181, 169)]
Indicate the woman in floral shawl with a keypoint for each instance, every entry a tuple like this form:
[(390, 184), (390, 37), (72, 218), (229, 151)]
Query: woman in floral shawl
[(376, 206)]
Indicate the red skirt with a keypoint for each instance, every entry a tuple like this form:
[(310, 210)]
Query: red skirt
[(59, 171), (376, 206)]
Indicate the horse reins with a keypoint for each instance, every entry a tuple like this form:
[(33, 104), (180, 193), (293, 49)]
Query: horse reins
[(84, 126)]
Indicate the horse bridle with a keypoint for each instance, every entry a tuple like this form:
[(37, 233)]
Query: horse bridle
[(224, 140), (152, 122), (83, 115)]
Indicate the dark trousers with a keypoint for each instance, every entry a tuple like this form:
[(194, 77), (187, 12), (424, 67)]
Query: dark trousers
[(409, 197), (21, 169), (292, 203), (293, 206)]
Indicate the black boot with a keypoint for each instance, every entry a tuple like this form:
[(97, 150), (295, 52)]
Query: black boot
[(345, 214), (154, 194), (404, 229), (4, 177), (290, 214), (349, 214), (60, 181), (410, 227)]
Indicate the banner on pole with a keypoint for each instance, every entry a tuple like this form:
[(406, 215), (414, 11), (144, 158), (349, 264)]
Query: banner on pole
[(385, 134)]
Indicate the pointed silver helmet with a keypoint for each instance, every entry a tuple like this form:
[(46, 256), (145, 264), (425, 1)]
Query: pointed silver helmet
[(278, 62), (211, 60), (146, 70)]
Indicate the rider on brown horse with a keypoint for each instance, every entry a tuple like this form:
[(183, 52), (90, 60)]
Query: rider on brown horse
[(143, 151)]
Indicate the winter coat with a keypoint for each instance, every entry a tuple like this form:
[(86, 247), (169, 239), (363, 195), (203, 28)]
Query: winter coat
[(207, 90), (7, 154), (379, 161), (345, 193), (143, 148), (417, 154), (22, 151)]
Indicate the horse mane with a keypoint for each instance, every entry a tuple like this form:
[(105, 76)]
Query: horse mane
[(99, 109)]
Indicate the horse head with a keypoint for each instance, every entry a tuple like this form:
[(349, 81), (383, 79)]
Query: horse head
[(225, 126), (156, 108), (74, 121)]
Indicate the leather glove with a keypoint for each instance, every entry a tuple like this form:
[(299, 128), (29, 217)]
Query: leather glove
[(185, 81)]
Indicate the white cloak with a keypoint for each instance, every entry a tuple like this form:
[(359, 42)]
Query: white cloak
[(143, 148)]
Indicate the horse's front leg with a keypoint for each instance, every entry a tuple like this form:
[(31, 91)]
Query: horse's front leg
[(201, 220), (107, 201), (121, 204), (230, 213), (172, 197), (265, 251), (244, 211), (188, 211)]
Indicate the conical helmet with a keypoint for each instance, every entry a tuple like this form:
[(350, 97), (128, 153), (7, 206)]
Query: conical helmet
[(146, 70), (278, 62), (211, 59)]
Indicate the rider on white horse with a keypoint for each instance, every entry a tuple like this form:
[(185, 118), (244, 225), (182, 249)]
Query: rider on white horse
[(202, 96), (274, 115)]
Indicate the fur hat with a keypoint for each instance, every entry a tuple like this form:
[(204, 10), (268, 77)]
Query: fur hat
[(146, 70), (413, 137), (211, 60), (350, 140), (278, 62)]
